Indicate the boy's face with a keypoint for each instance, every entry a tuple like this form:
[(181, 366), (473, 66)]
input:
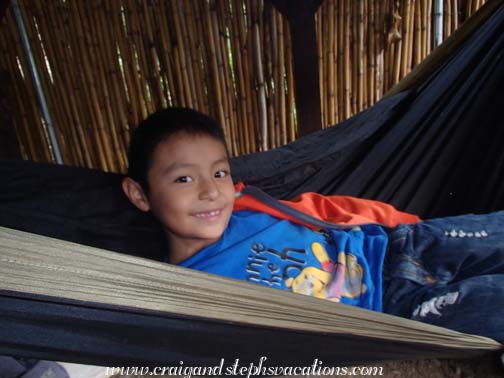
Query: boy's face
[(191, 190)]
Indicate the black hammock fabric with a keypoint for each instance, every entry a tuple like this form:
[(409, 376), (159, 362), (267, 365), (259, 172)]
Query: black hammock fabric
[(435, 151)]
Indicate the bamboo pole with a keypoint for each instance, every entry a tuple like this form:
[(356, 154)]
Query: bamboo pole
[(331, 76), (379, 49), (281, 78), (168, 59), (334, 62), (341, 60), (157, 95), (427, 66), (406, 34), (166, 54), (389, 44), (417, 45), (223, 78), (223, 73), (447, 18), (232, 41), (28, 138), (398, 47), (423, 29), (290, 89), (180, 56), (269, 55), (226, 50), (132, 52), (338, 73), (53, 138), (107, 122), (455, 15), (136, 52), (50, 74), (429, 29), (30, 115), (274, 48), (91, 88), (319, 24), (22, 123), (245, 38), (354, 50), (361, 57), (179, 69), (98, 77), (372, 39), (347, 90), (119, 31), (70, 77), (123, 86), (219, 77), (411, 35), (240, 103), (259, 113), (117, 82), (192, 17), (366, 58), (475, 4), (267, 68), (209, 8), (186, 27), (106, 69)]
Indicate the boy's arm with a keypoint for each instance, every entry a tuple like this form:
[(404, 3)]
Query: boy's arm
[(334, 209)]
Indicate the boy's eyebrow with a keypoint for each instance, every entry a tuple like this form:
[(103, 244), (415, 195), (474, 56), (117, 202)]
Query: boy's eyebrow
[(224, 159), (178, 165)]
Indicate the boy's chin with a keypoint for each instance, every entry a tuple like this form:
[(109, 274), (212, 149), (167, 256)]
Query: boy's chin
[(211, 235)]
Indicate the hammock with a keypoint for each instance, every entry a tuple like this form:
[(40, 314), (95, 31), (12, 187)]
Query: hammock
[(67, 301), (434, 150)]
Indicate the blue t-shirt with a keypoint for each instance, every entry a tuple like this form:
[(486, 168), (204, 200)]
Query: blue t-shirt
[(339, 265)]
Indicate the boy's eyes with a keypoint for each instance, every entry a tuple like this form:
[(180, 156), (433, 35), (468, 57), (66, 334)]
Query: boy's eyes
[(221, 174), (184, 179)]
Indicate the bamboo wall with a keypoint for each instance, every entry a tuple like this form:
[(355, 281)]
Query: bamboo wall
[(366, 46), (106, 64)]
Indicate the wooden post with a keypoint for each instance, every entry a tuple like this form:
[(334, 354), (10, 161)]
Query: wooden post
[(301, 17), (4, 4), (9, 145)]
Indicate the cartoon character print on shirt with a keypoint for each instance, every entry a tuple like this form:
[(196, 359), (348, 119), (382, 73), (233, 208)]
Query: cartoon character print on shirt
[(332, 281)]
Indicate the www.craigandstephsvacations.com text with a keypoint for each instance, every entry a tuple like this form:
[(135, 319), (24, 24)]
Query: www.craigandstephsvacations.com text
[(248, 370)]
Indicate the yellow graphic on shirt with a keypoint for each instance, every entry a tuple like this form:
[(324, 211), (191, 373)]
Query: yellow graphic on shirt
[(333, 281)]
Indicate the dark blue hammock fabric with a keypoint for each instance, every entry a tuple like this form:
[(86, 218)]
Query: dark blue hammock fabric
[(434, 151)]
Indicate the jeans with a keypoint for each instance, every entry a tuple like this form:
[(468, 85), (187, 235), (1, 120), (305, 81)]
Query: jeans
[(448, 272)]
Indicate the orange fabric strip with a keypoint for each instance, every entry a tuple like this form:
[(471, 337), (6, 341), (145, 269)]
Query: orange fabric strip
[(335, 209)]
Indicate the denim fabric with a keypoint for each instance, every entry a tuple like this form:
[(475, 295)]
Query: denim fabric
[(448, 272)]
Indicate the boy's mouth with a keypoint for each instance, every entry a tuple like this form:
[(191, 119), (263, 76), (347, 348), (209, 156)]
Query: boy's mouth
[(209, 215)]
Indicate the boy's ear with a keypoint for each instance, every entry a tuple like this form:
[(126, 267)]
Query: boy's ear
[(133, 190)]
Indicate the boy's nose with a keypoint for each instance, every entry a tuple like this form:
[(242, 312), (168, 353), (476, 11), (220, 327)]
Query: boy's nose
[(208, 190)]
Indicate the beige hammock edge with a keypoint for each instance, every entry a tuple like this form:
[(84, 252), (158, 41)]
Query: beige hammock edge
[(37, 265)]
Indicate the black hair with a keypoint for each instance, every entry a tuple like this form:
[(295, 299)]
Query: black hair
[(158, 127)]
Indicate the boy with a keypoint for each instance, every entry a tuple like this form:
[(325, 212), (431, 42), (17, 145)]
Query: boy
[(447, 272)]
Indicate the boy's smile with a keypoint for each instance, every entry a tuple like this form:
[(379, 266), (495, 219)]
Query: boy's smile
[(209, 215), (190, 191)]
